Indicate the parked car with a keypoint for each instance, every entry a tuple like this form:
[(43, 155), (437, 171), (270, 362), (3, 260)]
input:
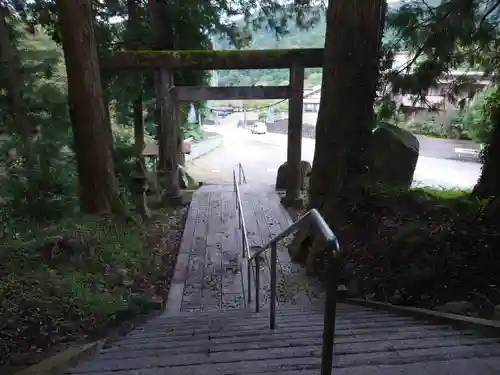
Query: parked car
[(258, 128)]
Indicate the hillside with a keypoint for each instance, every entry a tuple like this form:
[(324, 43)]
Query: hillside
[(264, 39), (295, 38)]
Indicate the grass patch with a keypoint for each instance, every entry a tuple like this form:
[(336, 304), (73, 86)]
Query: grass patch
[(443, 194), (65, 281)]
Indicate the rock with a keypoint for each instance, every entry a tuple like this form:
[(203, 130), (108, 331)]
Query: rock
[(455, 307), (186, 181), (353, 289), (394, 156), (496, 313), (183, 180), (282, 175), (139, 188)]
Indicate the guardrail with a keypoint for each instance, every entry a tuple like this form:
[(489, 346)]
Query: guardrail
[(313, 220)]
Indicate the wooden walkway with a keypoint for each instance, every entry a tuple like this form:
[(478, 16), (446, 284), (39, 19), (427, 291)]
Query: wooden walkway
[(209, 275)]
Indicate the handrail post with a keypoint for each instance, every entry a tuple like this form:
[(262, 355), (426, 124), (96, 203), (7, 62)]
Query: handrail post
[(331, 279), (257, 284), (240, 223), (272, 313), (249, 280), (243, 244)]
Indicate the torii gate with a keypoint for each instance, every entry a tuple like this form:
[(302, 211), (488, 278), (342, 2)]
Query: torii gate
[(166, 62)]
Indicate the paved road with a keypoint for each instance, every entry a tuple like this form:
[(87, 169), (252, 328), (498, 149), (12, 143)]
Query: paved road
[(261, 155), (429, 147), (444, 148)]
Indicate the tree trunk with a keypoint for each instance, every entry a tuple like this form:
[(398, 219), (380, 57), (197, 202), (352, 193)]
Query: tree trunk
[(345, 120), (133, 43), (21, 123), (98, 191), (488, 184), (138, 125), (168, 145), (346, 117), (106, 100)]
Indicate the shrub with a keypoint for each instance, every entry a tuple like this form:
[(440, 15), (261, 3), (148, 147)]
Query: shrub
[(43, 188), (476, 116), (426, 127)]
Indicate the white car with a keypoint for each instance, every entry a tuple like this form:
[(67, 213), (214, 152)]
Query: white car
[(259, 128)]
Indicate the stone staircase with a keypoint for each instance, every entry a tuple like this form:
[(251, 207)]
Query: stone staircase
[(240, 342), (203, 331)]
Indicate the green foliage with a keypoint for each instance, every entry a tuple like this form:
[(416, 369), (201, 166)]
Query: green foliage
[(68, 279), (433, 128), (43, 188), (477, 115)]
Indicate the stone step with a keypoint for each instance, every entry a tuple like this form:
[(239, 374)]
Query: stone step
[(239, 362), (240, 343), (262, 317), (154, 330), (266, 334), (342, 346), (264, 329), (471, 366), (285, 311)]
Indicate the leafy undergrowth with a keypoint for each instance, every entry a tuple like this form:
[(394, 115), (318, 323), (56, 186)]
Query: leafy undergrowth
[(423, 248), (75, 280)]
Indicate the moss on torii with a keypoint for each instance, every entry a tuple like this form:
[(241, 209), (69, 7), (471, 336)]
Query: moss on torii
[(213, 60)]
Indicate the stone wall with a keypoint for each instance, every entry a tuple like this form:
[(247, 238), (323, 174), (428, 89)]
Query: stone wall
[(281, 127)]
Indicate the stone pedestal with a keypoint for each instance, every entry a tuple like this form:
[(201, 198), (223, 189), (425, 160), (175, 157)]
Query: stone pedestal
[(283, 174), (139, 188)]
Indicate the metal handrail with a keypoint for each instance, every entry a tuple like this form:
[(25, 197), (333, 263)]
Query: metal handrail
[(313, 219), (241, 224)]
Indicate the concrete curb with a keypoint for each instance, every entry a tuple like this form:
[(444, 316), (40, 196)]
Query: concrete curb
[(486, 326), (58, 363), (205, 146)]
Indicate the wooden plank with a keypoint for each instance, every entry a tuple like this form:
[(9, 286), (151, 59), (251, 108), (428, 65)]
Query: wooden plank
[(292, 287), (233, 295), (212, 280), (181, 271), (212, 276), (200, 93), (254, 238), (212, 60), (192, 293), (229, 215), (254, 198), (215, 226)]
